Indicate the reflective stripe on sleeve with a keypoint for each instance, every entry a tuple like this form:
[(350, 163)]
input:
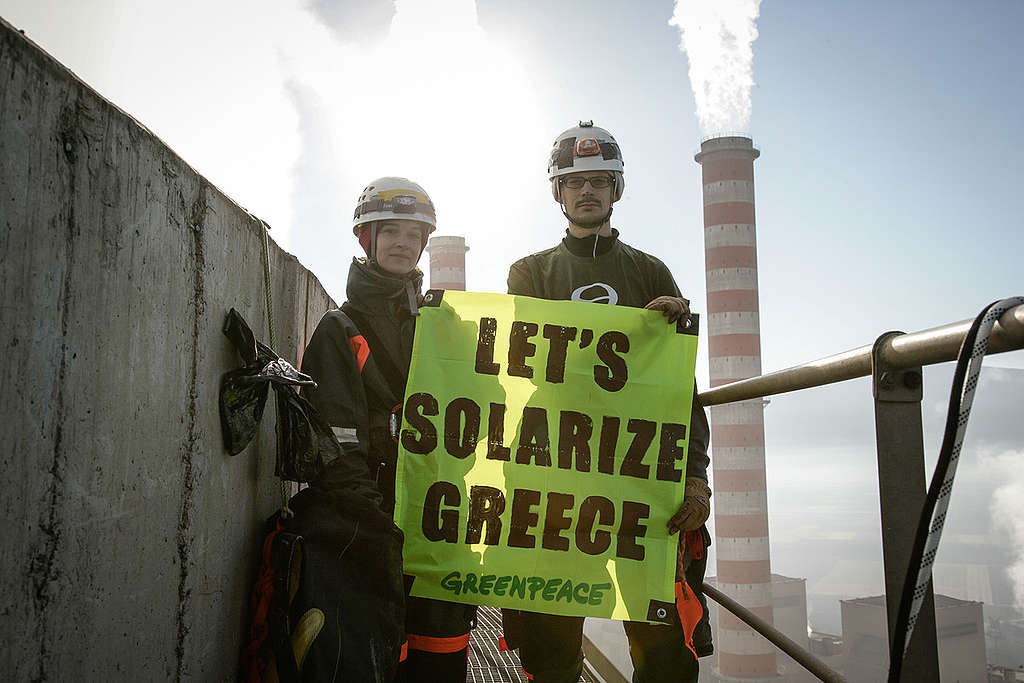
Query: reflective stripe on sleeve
[(360, 348), (345, 434)]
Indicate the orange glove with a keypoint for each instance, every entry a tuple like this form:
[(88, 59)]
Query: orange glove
[(672, 307), (695, 508)]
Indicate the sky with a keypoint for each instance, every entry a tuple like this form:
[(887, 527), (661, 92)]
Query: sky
[(887, 188)]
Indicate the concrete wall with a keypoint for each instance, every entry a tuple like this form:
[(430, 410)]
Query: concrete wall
[(129, 535)]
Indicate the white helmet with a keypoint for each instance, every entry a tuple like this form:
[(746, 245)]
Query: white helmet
[(391, 198), (585, 148)]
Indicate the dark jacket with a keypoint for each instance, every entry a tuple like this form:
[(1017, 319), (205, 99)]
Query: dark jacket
[(359, 355), (613, 273), (607, 270)]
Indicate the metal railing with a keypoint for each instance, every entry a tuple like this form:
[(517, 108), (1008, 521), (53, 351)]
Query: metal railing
[(928, 347), (894, 362), (775, 636)]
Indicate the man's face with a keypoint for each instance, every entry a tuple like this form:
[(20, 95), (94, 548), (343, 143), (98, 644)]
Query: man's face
[(398, 245), (587, 204)]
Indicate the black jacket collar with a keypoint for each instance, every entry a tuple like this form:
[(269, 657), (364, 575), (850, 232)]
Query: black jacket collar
[(584, 246), (377, 292)]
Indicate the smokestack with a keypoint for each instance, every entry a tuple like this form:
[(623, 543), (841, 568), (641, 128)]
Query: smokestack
[(737, 429), (448, 262)]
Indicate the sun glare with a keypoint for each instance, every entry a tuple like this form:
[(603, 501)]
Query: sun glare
[(439, 102)]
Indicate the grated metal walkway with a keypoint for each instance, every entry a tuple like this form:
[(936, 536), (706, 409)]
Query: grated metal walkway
[(487, 664)]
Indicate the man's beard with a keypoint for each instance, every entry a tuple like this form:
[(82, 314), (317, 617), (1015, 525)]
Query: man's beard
[(591, 224)]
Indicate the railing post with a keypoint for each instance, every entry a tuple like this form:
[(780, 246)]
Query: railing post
[(901, 487)]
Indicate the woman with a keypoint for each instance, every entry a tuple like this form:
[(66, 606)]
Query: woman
[(359, 356)]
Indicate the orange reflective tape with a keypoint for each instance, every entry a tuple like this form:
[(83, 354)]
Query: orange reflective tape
[(440, 645), (690, 612), (360, 348), (405, 652)]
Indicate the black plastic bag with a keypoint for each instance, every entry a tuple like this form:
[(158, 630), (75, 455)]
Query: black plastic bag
[(305, 443)]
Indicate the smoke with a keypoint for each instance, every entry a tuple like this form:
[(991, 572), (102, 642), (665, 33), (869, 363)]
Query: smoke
[(358, 21), (320, 235), (717, 37), (1008, 516)]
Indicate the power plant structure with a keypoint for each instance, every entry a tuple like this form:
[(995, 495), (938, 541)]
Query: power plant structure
[(447, 262), (737, 429)]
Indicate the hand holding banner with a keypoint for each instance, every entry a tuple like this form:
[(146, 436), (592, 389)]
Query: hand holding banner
[(542, 451)]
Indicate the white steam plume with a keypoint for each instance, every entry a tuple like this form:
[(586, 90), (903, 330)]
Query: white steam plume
[(1008, 516), (717, 37)]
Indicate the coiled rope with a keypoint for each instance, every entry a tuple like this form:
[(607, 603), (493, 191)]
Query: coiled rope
[(933, 515)]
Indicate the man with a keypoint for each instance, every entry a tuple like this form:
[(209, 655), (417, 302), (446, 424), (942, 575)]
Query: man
[(592, 264), (359, 356)]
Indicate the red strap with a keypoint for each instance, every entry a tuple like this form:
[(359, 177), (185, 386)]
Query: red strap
[(360, 348), (690, 612), (528, 674), (502, 645), (253, 663), (695, 544), (441, 645), (405, 651)]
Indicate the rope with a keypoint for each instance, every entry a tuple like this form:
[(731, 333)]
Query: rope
[(286, 512), (266, 284), (933, 516)]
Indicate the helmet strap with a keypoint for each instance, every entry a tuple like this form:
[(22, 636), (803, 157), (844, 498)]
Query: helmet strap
[(425, 229)]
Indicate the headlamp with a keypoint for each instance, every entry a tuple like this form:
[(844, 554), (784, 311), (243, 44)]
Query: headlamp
[(587, 147), (403, 203)]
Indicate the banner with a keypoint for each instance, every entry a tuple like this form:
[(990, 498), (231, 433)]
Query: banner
[(542, 451)]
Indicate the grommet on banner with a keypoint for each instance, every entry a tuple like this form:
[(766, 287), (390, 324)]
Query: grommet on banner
[(660, 611)]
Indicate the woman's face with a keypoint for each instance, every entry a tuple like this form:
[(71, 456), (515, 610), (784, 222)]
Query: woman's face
[(398, 245)]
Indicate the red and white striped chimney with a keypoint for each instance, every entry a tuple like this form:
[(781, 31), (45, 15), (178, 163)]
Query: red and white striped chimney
[(737, 429), (447, 262)]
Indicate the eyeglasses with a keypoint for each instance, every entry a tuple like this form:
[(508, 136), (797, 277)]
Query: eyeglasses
[(575, 182)]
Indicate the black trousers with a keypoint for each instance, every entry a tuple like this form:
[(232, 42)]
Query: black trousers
[(433, 667), (551, 650), (551, 646), (438, 641)]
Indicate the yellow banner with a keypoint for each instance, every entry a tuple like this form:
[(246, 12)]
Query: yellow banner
[(542, 451)]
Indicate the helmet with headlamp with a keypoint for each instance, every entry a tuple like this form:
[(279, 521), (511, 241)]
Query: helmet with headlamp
[(585, 147), (393, 198)]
